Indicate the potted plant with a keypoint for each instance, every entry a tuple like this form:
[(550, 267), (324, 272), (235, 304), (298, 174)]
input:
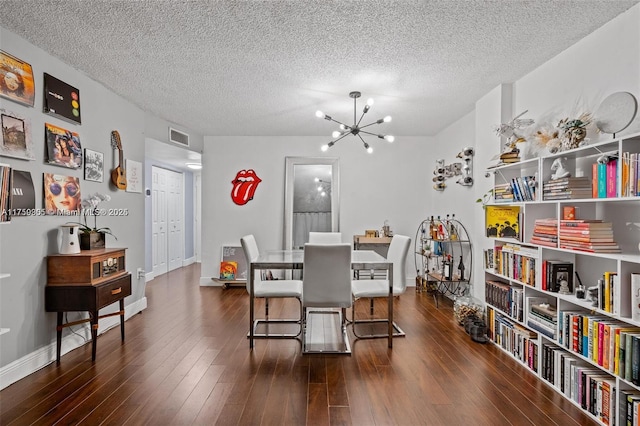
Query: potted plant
[(92, 238)]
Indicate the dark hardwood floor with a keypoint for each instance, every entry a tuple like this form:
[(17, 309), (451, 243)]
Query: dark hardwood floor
[(186, 361)]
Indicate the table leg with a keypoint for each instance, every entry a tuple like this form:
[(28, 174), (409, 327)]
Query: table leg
[(122, 319), (94, 334), (59, 337), (390, 274), (252, 274)]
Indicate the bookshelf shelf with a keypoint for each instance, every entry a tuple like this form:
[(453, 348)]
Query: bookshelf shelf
[(562, 347)]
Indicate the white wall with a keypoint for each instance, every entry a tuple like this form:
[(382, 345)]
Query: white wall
[(390, 184), (26, 241)]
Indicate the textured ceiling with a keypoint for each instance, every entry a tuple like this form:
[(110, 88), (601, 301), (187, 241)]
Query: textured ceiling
[(265, 67)]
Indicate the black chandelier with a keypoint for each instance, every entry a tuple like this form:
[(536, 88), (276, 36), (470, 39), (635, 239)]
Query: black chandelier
[(356, 128)]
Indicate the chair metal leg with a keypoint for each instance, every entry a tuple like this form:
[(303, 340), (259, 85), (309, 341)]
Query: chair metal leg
[(267, 321), (398, 332)]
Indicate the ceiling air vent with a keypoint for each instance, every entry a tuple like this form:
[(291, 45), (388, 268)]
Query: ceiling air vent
[(176, 136)]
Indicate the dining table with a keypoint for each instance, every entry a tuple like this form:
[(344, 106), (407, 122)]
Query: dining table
[(294, 260)]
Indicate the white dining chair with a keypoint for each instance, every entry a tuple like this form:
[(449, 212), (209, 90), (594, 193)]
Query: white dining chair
[(267, 289), (376, 288), (327, 284), (325, 237)]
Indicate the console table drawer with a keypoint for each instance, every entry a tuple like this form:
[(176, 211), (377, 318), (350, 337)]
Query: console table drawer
[(114, 291)]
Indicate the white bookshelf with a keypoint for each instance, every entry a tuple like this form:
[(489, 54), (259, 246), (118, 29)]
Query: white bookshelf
[(622, 212)]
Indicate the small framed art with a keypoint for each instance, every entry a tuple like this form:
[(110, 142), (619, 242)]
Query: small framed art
[(93, 165), (16, 136), (16, 80)]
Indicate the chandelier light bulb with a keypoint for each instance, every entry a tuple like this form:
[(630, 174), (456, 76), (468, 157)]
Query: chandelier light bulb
[(387, 119), (324, 148), (370, 150), (323, 193), (319, 114), (319, 188), (335, 134), (370, 102), (317, 180), (390, 138)]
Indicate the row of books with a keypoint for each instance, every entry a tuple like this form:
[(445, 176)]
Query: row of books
[(541, 316), (505, 297), (5, 193), (513, 338), (567, 188), (489, 259), (518, 189), (587, 386), (629, 407), (590, 235), (516, 262), (613, 345), (630, 174)]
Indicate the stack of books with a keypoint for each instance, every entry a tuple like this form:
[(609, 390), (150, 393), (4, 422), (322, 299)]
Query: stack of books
[(567, 188), (590, 235), (545, 232), (541, 316), (509, 157), (502, 193)]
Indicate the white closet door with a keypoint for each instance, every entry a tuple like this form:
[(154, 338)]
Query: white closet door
[(159, 220), (175, 220), (167, 220)]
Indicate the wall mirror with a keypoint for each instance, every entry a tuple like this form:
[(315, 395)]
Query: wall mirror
[(312, 195)]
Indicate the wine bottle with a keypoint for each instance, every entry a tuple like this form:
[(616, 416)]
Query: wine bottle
[(446, 268), (461, 270)]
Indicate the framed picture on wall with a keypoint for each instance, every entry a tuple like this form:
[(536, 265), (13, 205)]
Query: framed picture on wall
[(93, 165), (16, 136), (61, 99), (63, 147), (134, 176), (16, 80), (61, 194)]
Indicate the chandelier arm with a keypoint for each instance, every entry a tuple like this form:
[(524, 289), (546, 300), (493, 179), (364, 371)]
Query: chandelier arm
[(372, 134), (361, 117), (366, 145), (370, 124), (343, 136), (339, 122)]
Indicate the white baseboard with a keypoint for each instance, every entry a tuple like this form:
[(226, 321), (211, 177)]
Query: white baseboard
[(34, 361), (149, 276), (189, 261)]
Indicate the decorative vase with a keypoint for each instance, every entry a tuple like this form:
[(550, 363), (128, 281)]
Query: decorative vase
[(92, 240), (68, 238)]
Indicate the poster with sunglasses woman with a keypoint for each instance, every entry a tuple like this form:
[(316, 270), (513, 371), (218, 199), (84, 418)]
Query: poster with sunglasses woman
[(63, 147), (61, 194)]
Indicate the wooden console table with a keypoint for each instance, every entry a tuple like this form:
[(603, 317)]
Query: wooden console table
[(86, 282)]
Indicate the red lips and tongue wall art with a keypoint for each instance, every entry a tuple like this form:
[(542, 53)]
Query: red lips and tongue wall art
[(244, 186)]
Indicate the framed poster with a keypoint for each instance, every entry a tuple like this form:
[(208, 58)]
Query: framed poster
[(134, 176), (63, 147), (16, 80), (16, 136), (61, 99), (61, 194), (93, 165)]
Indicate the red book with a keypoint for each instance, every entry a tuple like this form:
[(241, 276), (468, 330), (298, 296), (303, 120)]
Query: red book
[(574, 332), (594, 181)]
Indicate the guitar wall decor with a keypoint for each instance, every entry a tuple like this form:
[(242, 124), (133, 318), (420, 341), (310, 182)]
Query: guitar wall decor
[(118, 175)]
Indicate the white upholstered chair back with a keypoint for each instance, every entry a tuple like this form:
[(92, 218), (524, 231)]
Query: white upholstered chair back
[(251, 252), (398, 251), (325, 237), (327, 276)]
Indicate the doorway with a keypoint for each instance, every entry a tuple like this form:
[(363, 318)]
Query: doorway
[(167, 218)]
